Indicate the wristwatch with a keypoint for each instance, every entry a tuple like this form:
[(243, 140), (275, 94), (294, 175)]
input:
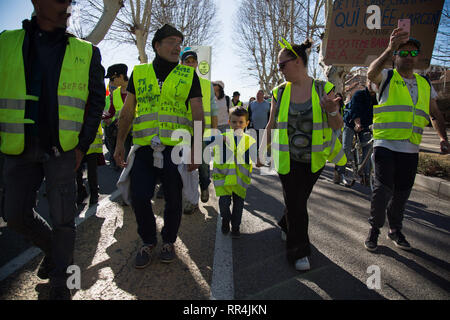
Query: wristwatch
[(333, 114)]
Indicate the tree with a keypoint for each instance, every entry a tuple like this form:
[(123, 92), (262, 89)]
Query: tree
[(441, 51), (260, 24), (137, 19)]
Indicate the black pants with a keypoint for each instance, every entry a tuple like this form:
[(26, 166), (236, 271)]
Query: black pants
[(394, 178), (143, 177), (297, 187), (23, 176), (91, 161), (110, 141)]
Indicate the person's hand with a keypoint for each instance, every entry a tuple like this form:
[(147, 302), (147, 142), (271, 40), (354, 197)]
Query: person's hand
[(119, 155), (445, 147), (107, 121), (398, 37), (330, 104), (358, 127), (79, 155)]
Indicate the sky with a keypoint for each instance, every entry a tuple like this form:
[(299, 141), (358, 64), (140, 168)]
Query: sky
[(226, 65)]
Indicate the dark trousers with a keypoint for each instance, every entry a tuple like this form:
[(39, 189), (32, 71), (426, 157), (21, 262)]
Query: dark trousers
[(394, 178), (111, 138), (204, 173), (297, 186), (143, 177), (234, 216), (92, 175), (23, 176)]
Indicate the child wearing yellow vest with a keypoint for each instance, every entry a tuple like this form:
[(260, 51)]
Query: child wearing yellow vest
[(232, 171)]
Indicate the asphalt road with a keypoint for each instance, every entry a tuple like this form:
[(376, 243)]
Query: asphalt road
[(107, 243), (337, 228)]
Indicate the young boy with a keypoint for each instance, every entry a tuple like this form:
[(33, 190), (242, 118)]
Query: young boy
[(232, 171)]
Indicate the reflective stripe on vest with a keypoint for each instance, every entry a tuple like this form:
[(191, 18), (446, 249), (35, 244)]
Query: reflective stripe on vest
[(117, 102), (206, 100), (161, 112), (234, 175), (398, 118), (97, 145), (325, 144), (72, 92)]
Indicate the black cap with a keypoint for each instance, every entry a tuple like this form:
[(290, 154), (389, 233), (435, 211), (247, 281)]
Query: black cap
[(188, 54), (166, 31), (414, 41), (117, 69), (236, 93)]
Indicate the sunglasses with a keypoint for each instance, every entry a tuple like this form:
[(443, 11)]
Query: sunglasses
[(405, 53), (112, 78), (281, 65)]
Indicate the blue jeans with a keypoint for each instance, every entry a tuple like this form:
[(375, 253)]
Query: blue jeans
[(144, 177), (347, 141), (234, 216), (23, 176)]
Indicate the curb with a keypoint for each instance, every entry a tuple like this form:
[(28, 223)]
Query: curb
[(436, 186)]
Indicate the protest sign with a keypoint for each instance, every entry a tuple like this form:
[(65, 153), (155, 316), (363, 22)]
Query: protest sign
[(203, 58), (348, 39)]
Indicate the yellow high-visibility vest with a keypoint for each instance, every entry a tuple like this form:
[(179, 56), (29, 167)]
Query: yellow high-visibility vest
[(97, 145), (399, 118), (161, 112), (325, 145), (206, 101), (233, 175), (117, 102), (72, 92)]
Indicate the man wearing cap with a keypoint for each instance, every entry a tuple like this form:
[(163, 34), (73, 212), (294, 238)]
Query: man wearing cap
[(235, 100), (162, 97), (406, 101), (117, 75), (51, 102), (189, 58)]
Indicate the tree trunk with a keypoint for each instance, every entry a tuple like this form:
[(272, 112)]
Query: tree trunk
[(111, 9), (141, 41)]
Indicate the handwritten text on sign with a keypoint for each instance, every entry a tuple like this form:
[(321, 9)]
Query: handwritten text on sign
[(359, 30)]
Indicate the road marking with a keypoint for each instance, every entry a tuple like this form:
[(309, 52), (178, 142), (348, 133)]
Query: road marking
[(222, 284), (29, 254)]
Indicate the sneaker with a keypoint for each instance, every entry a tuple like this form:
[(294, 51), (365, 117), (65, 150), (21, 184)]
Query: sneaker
[(60, 293), (143, 258), (302, 264), (167, 254), (235, 233), (371, 242), (348, 182), (283, 235), (225, 227), (44, 268), (190, 208), (337, 177), (204, 197), (81, 195), (399, 240)]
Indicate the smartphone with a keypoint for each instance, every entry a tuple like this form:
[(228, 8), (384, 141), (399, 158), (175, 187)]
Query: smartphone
[(405, 25)]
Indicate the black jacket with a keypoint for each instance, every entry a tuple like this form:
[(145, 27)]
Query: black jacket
[(43, 54)]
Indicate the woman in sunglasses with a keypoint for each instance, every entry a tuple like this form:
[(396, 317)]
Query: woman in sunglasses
[(305, 116), (406, 102)]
